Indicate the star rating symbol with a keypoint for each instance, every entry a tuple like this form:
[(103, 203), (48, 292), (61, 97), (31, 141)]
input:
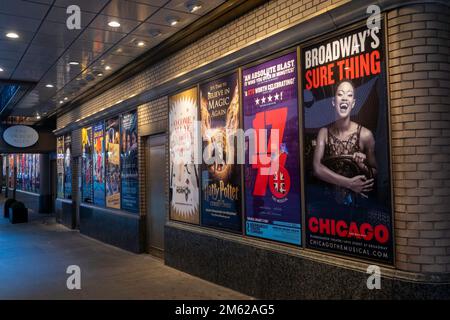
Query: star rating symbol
[(277, 96), (269, 98), (257, 101), (263, 99)]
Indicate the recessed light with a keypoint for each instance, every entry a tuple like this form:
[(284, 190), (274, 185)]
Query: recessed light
[(107, 68), (74, 63), (49, 85), (12, 35), (172, 20), (141, 44), (38, 116), (100, 74), (61, 102), (65, 98), (193, 6), (155, 32), (1, 70), (114, 24)]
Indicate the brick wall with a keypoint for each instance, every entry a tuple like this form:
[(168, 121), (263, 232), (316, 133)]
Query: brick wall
[(419, 69), (270, 18)]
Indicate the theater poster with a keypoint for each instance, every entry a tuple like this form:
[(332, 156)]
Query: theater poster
[(38, 173), (130, 178), (98, 164), (184, 176), (67, 166), (272, 169), (11, 171), (221, 176), (346, 139), (60, 166), (30, 172), (86, 176), (112, 147), (33, 173)]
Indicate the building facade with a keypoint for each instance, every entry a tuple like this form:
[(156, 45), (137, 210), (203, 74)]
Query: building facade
[(117, 153)]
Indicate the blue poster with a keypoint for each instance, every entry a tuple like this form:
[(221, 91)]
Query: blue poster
[(129, 163), (272, 168), (348, 206)]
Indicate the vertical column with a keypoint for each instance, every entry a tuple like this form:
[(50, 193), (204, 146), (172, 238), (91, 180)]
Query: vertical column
[(419, 69)]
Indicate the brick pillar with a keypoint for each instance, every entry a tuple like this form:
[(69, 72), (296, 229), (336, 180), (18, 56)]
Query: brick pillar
[(419, 67)]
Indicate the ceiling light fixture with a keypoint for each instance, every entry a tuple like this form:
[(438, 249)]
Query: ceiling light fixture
[(12, 35), (114, 24), (65, 98), (193, 6), (61, 102), (107, 68), (1, 70), (172, 20), (155, 32), (38, 116), (141, 44), (100, 74), (49, 85), (74, 63)]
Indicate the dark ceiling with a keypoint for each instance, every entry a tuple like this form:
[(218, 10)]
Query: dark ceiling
[(65, 63)]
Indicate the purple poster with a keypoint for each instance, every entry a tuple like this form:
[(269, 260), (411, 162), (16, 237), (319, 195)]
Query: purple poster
[(272, 169)]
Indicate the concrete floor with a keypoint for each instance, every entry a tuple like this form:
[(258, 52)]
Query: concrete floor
[(34, 257)]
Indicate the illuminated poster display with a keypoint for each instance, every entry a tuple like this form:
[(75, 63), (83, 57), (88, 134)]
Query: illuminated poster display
[(129, 163), (87, 181), (347, 183), (60, 166), (221, 178), (184, 177), (272, 169), (67, 166), (98, 164), (112, 147)]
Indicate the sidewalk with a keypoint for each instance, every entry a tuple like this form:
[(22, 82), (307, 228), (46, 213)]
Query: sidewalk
[(34, 257)]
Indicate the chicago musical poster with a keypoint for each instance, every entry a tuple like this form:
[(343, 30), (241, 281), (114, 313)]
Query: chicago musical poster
[(347, 176)]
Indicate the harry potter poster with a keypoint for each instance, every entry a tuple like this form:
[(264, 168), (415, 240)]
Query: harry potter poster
[(221, 176)]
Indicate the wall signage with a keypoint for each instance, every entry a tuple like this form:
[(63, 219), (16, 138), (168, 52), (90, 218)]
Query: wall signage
[(20, 136)]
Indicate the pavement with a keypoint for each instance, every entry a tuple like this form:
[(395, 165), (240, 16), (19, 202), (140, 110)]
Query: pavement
[(34, 258)]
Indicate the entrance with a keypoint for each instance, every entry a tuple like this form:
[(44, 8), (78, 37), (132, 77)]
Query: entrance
[(156, 208)]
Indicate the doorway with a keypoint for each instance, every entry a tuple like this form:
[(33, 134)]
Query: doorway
[(156, 195)]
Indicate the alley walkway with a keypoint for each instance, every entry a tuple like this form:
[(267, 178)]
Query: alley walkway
[(34, 257)]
